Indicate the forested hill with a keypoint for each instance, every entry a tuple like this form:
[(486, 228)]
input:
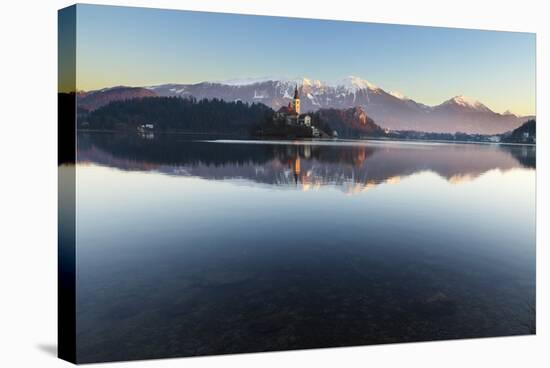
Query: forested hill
[(179, 114), (526, 133), (348, 123)]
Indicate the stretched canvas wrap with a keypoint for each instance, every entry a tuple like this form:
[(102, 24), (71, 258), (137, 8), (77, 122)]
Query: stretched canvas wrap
[(235, 183)]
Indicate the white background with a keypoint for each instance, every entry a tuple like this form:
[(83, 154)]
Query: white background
[(28, 182)]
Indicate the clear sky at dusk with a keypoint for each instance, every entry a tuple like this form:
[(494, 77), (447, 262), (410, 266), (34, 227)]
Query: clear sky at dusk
[(139, 47)]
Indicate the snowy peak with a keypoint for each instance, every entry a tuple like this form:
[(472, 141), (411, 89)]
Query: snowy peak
[(354, 83), (312, 82), (300, 81), (467, 102), (399, 95), (247, 81), (350, 83)]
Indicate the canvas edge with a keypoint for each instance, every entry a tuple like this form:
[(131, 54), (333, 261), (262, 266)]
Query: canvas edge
[(66, 135)]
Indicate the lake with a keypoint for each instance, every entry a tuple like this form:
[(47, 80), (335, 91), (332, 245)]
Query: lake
[(194, 246)]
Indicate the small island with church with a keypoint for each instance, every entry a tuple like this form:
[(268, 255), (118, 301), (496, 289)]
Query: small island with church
[(288, 122)]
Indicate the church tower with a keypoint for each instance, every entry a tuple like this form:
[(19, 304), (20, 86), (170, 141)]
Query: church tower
[(296, 101)]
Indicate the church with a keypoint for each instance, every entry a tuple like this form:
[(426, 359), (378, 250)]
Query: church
[(291, 112)]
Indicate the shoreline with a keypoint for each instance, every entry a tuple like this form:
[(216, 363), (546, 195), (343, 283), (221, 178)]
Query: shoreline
[(292, 140)]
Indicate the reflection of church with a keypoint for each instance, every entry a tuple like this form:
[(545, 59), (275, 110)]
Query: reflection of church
[(303, 163), (295, 163), (291, 114)]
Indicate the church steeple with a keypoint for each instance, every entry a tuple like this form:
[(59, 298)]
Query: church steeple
[(296, 101)]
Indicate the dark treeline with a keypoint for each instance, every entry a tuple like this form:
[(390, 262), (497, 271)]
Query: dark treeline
[(179, 114), (526, 133)]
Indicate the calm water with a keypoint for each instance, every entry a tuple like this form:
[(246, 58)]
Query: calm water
[(209, 247)]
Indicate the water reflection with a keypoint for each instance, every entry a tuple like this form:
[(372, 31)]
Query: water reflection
[(306, 165), (190, 247)]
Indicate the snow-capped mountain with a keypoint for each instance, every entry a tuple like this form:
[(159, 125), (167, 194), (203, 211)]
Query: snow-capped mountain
[(354, 84), (390, 110), (465, 103)]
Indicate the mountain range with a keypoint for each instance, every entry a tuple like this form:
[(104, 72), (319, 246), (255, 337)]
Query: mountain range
[(390, 110)]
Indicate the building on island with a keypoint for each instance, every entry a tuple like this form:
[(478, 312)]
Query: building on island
[(296, 101), (291, 113)]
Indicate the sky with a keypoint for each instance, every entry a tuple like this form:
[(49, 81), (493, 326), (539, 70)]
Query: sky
[(142, 47)]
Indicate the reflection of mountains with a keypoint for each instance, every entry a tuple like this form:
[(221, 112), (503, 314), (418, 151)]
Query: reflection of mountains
[(351, 165)]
